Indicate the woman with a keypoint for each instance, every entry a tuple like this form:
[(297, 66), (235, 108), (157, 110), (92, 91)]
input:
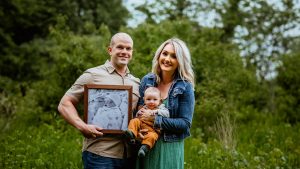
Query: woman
[(172, 74)]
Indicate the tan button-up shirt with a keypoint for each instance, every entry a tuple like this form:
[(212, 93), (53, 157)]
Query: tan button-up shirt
[(105, 75)]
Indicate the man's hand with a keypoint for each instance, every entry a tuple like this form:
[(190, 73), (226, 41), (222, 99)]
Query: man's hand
[(68, 111), (92, 131)]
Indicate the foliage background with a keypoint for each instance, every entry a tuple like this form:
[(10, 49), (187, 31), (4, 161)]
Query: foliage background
[(241, 118)]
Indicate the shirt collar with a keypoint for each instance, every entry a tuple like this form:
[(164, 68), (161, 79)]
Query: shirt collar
[(110, 68)]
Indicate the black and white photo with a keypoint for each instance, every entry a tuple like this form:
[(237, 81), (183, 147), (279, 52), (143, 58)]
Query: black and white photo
[(108, 106)]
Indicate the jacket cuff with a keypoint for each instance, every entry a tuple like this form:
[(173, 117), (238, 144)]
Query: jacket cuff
[(157, 122)]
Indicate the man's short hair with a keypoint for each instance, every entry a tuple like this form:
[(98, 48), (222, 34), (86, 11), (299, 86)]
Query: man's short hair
[(122, 36)]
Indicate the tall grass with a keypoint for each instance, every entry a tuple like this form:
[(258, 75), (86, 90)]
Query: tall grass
[(257, 145), (268, 146), (43, 146), (225, 131)]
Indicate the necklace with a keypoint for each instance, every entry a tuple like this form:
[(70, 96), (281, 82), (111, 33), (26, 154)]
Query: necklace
[(164, 89)]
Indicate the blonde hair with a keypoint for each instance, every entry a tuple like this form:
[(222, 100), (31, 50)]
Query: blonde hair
[(152, 90), (121, 36), (183, 56)]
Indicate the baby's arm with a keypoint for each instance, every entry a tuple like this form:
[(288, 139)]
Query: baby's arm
[(163, 111), (140, 112)]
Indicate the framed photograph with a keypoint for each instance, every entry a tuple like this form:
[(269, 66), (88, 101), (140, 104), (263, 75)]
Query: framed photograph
[(108, 106)]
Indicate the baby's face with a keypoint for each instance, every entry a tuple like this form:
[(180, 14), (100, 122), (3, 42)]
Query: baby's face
[(152, 100), (109, 103)]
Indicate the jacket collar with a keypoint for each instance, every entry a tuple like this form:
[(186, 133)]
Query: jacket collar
[(176, 78)]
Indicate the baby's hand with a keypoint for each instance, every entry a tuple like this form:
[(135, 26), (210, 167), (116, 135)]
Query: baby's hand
[(140, 112), (142, 133), (147, 115)]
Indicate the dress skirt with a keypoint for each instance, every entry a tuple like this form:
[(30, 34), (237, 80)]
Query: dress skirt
[(164, 155)]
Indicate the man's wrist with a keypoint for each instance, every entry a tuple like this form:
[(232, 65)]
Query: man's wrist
[(80, 125)]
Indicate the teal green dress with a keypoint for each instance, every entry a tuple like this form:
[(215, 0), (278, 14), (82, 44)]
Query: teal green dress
[(164, 155)]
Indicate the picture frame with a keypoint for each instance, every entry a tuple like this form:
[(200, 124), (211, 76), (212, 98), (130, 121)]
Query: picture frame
[(108, 107)]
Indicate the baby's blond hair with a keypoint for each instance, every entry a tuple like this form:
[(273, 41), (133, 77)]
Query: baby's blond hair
[(152, 89)]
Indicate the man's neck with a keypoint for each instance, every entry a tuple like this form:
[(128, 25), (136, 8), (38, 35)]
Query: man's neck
[(122, 72), (120, 69)]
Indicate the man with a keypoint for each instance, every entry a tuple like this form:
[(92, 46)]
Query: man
[(109, 152)]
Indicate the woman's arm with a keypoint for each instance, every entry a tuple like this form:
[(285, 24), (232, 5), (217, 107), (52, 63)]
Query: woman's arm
[(163, 111), (183, 118)]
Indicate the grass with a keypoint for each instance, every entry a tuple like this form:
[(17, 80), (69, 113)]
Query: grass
[(263, 145), (258, 146), (42, 146)]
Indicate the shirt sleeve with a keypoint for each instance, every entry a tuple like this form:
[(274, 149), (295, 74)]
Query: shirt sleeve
[(163, 111), (77, 88)]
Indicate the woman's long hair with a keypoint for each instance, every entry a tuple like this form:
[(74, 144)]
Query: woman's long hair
[(183, 56)]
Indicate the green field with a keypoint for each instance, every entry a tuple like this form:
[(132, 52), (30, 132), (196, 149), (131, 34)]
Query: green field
[(247, 83), (59, 146)]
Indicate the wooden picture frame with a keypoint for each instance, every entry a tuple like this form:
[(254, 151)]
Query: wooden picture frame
[(108, 106)]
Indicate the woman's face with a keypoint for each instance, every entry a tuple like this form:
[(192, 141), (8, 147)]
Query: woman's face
[(167, 59)]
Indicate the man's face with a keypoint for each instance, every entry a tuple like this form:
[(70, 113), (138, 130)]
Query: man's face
[(121, 52), (152, 100)]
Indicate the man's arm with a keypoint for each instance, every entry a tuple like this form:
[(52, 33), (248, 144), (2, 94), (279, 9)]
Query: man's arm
[(67, 109)]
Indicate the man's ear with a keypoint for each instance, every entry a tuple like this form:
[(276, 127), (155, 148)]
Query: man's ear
[(109, 50)]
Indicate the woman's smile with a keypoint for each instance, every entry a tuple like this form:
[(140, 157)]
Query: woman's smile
[(168, 61)]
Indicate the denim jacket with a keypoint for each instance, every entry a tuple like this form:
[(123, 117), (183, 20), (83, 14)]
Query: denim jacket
[(181, 102)]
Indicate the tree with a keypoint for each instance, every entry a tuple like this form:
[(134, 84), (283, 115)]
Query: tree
[(159, 10), (25, 20), (29, 20), (257, 27), (288, 90), (223, 85), (260, 28)]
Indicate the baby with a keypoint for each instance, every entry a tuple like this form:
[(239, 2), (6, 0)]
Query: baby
[(109, 116), (153, 102)]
